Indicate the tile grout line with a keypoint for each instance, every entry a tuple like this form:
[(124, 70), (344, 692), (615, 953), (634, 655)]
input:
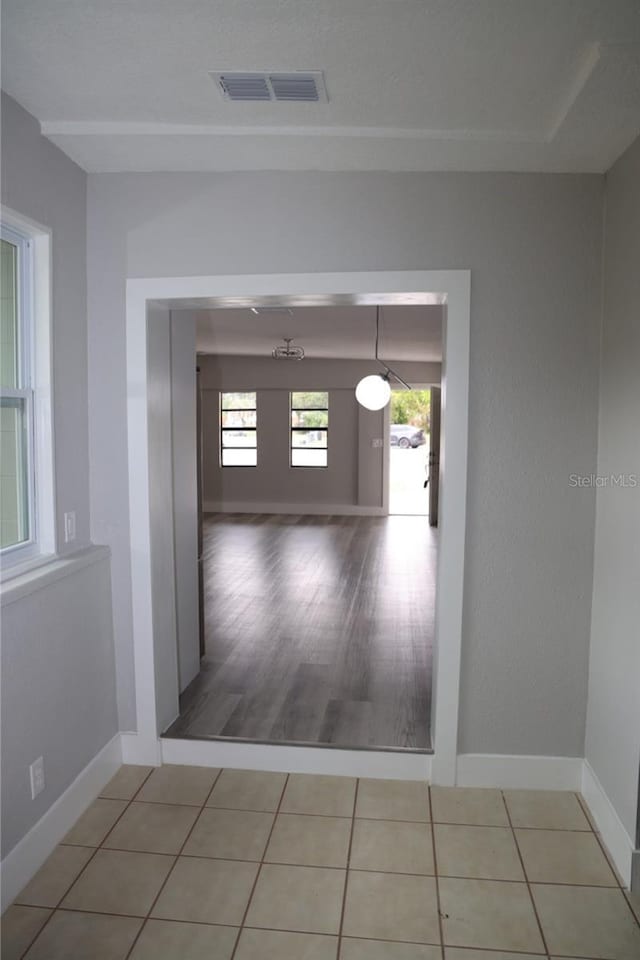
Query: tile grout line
[(91, 858), (435, 871), (533, 903), (331, 816), (259, 870), (348, 865), (171, 869), (583, 805), (619, 884)]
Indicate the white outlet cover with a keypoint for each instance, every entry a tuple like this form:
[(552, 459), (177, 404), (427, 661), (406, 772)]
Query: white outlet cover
[(36, 776)]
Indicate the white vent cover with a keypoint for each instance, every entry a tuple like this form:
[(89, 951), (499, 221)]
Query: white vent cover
[(301, 86)]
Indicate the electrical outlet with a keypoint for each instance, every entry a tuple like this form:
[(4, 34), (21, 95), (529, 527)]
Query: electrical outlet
[(36, 775), (69, 526)]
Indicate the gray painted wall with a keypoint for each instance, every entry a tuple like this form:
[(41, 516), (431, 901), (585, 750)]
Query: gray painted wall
[(58, 691), (533, 244), (58, 684), (613, 718), (353, 476)]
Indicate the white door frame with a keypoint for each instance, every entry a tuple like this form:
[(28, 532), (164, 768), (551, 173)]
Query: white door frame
[(452, 287)]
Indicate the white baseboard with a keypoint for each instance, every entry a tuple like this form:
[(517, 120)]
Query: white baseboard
[(519, 772), (380, 764), (306, 509), (140, 750), (26, 858), (614, 836)]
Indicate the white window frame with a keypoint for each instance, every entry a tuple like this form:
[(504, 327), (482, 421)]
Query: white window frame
[(34, 306)]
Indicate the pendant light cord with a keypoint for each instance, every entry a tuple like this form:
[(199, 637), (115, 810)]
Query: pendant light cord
[(381, 362)]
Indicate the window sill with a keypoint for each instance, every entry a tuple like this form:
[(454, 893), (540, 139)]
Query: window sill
[(41, 571)]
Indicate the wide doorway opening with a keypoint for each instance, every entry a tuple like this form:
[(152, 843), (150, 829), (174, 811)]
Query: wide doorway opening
[(317, 608), (161, 535)]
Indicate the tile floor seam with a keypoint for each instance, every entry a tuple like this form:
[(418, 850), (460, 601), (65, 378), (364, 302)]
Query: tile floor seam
[(584, 806), (636, 916), (91, 858), (259, 870), (172, 867), (619, 884), (523, 953), (347, 868), (435, 871), (504, 826), (529, 890), (345, 936), (136, 916), (324, 866)]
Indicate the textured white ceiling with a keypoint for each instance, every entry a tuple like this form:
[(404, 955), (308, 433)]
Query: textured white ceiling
[(413, 84), (406, 333)]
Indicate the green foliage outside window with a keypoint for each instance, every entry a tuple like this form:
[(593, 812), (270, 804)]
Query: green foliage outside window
[(303, 413), (412, 407)]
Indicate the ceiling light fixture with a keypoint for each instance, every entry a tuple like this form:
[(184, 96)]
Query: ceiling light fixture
[(374, 391), (288, 352)]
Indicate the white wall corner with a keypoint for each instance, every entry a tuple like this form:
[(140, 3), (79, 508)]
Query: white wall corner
[(26, 858), (138, 749), (614, 836), (519, 772)]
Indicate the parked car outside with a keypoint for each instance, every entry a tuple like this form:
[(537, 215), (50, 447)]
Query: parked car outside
[(405, 436)]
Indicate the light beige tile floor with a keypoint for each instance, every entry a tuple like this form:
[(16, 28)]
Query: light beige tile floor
[(200, 864)]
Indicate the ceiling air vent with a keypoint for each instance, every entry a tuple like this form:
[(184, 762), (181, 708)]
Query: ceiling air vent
[(298, 87)]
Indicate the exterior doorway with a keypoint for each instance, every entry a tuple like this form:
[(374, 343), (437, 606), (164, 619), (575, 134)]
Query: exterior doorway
[(409, 451)]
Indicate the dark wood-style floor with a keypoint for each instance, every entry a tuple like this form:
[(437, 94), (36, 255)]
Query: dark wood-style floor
[(319, 630)]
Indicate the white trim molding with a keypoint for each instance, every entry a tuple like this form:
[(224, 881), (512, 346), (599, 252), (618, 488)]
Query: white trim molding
[(139, 750), (308, 509), (26, 858), (282, 758), (519, 772), (614, 836), (452, 287), (47, 570)]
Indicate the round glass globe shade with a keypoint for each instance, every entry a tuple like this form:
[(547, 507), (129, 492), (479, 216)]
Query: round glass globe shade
[(373, 392)]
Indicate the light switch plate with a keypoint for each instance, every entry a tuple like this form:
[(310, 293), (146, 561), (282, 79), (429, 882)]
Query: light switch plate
[(36, 776), (69, 526)]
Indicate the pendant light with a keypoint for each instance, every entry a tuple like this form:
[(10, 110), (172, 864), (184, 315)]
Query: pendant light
[(374, 391)]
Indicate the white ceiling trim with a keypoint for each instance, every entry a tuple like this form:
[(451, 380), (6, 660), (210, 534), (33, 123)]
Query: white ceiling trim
[(586, 65), (91, 128)]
